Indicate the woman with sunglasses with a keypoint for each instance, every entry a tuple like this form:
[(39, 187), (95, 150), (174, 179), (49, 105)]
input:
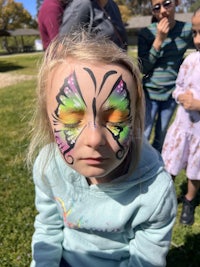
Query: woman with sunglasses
[(161, 47)]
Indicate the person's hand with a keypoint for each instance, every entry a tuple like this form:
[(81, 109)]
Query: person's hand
[(188, 101), (163, 28)]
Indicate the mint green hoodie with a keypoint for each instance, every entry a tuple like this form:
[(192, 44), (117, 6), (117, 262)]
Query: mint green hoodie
[(124, 223)]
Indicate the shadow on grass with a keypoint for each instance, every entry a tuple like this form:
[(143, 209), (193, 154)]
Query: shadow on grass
[(187, 255), (8, 66)]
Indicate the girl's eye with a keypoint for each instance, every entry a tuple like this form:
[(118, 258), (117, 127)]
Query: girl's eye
[(73, 125), (115, 116), (71, 119)]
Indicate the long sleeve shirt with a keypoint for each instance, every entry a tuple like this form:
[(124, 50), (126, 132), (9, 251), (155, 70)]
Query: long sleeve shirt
[(125, 223), (160, 68)]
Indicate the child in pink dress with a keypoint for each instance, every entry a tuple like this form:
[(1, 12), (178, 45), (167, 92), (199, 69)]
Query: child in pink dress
[(181, 148)]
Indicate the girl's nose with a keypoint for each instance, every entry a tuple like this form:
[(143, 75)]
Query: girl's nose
[(95, 136)]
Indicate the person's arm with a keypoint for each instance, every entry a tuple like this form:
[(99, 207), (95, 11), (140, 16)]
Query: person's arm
[(152, 239), (48, 236), (76, 14), (52, 24), (162, 32), (149, 51), (180, 88), (147, 54), (49, 21)]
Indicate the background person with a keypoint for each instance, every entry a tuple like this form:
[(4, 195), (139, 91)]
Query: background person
[(102, 194), (181, 148), (49, 19), (161, 47), (101, 17)]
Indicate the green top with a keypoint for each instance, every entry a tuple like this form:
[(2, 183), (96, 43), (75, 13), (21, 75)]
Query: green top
[(125, 223)]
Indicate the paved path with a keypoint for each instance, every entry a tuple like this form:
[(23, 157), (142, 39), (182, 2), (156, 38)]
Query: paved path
[(7, 79)]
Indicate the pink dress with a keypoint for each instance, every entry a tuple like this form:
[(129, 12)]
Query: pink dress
[(181, 149)]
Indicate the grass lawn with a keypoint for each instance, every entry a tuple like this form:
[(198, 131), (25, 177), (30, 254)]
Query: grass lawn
[(16, 187)]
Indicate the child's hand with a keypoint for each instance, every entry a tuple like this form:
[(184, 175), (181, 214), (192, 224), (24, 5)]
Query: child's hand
[(163, 28), (188, 101)]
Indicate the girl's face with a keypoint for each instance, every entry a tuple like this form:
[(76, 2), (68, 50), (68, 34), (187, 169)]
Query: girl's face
[(91, 111), (164, 9), (196, 30)]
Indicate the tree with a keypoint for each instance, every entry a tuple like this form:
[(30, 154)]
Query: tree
[(136, 7), (124, 10), (13, 16), (38, 4), (195, 5)]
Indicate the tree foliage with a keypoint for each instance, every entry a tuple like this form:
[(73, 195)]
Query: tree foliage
[(195, 5), (134, 7), (13, 15), (38, 4)]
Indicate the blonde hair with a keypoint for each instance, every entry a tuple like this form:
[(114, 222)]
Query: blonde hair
[(81, 46)]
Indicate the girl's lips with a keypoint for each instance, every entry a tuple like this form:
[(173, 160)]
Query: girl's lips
[(93, 161)]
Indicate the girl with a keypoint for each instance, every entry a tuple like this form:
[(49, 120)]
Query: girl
[(102, 194), (182, 144)]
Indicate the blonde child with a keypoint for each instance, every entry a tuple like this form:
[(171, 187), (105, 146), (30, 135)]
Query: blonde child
[(181, 148), (102, 194)]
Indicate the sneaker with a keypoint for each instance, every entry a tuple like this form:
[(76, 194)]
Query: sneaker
[(187, 214)]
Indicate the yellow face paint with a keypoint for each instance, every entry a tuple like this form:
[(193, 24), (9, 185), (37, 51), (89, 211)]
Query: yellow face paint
[(72, 118), (116, 116)]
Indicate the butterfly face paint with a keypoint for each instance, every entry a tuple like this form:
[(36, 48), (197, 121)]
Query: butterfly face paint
[(109, 106), (117, 114), (68, 116)]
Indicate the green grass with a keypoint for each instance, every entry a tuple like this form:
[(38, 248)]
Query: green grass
[(16, 187), (20, 63)]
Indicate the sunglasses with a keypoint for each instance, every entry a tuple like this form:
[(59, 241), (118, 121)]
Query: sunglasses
[(166, 4)]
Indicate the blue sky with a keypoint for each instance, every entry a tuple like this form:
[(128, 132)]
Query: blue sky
[(29, 5)]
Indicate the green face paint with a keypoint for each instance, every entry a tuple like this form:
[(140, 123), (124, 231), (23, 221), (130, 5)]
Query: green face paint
[(117, 111)]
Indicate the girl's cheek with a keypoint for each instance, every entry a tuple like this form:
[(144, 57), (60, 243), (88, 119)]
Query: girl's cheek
[(122, 138), (66, 140)]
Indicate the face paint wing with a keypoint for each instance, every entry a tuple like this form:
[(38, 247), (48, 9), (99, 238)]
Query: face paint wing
[(119, 101), (67, 114)]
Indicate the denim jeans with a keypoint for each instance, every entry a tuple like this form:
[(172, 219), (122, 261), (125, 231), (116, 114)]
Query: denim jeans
[(158, 114)]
